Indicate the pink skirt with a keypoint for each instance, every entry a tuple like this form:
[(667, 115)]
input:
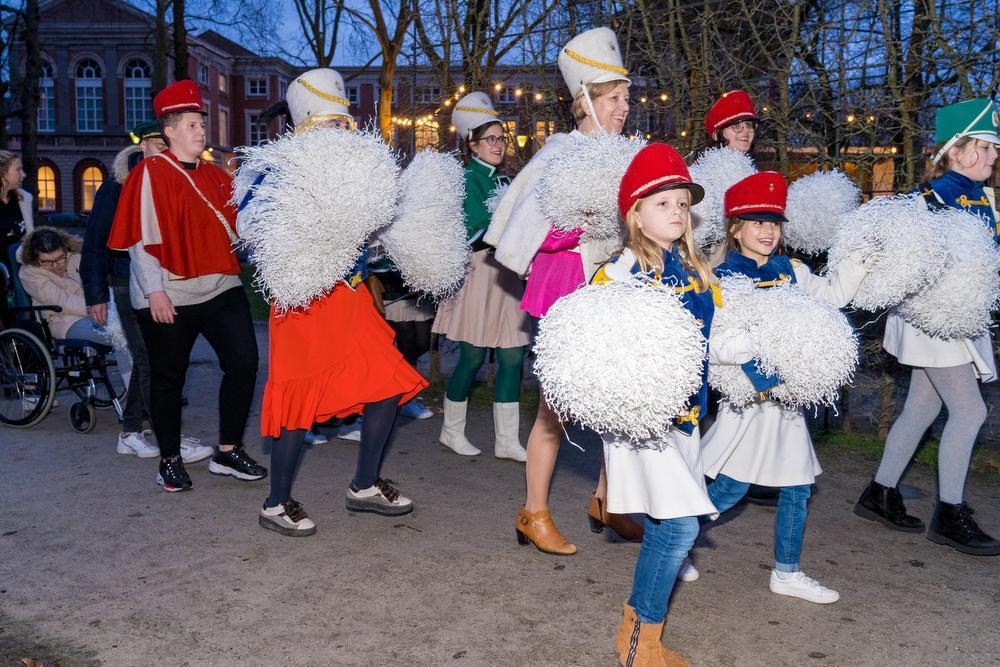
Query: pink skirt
[(553, 276)]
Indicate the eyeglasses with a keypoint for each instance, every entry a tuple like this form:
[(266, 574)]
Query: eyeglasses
[(743, 126), (61, 259), (493, 140)]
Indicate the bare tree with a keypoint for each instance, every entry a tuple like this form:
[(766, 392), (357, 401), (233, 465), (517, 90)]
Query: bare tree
[(161, 45), (29, 96), (180, 42)]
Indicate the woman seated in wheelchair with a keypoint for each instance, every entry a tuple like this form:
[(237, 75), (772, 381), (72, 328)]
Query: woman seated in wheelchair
[(50, 274)]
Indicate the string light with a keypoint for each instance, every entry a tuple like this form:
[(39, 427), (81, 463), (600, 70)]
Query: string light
[(461, 88), (498, 87), (871, 119), (538, 97), (684, 133), (850, 118), (663, 97), (518, 92), (764, 109), (642, 100)]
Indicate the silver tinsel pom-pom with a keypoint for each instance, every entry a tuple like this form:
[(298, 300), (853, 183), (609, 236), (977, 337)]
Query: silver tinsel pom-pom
[(426, 240), (494, 199), (716, 170), (905, 240), (579, 187), (620, 358), (805, 340), (960, 303), (815, 205), (324, 193)]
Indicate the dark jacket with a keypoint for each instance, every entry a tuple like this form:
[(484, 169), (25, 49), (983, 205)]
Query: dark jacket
[(98, 263)]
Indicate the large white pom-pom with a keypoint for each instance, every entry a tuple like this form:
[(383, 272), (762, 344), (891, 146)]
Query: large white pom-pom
[(805, 340), (905, 240), (426, 241), (579, 187), (324, 192), (960, 303), (620, 358), (494, 199), (716, 170), (815, 205)]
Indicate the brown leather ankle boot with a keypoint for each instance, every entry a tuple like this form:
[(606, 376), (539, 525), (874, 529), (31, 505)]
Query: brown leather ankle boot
[(620, 523), (538, 528), (638, 644)]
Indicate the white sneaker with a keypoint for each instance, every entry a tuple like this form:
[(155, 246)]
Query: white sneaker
[(688, 571), (288, 518), (193, 451), (351, 431), (381, 498), (798, 585), (136, 444), (415, 409), (314, 436)]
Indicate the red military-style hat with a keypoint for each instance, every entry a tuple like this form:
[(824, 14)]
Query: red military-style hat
[(758, 197), (179, 96), (732, 107), (656, 167)]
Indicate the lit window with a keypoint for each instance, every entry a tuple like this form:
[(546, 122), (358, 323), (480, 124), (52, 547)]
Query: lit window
[(426, 137), (46, 188), (89, 96), (257, 88), (46, 100), (223, 83), (90, 181), (510, 131), (223, 127), (543, 129), (138, 87), (256, 130)]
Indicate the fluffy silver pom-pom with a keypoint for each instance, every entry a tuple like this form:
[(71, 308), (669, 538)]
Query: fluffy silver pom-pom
[(114, 330), (620, 358), (960, 303), (806, 341), (494, 199), (579, 187), (716, 170), (815, 205), (905, 240), (426, 240), (324, 192)]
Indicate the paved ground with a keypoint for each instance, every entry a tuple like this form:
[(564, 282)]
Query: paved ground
[(98, 566)]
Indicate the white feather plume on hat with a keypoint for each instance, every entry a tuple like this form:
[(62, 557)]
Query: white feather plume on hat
[(601, 361), (426, 240), (716, 170), (815, 205), (579, 187), (324, 192)]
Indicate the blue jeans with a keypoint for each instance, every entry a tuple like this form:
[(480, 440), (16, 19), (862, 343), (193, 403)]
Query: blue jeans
[(789, 524), (665, 545)]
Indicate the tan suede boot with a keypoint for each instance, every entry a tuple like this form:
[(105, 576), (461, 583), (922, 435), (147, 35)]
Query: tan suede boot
[(638, 644)]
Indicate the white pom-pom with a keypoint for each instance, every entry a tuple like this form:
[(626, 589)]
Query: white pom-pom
[(114, 330), (716, 170), (323, 194), (494, 199), (805, 340), (579, 187), (904, 239), (620, 358), (426, 241), (960, 303), (815, 205)]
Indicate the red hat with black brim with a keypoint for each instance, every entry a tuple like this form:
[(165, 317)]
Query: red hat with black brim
[(761, 196), (656, 167), (178, 97), (732, 107)]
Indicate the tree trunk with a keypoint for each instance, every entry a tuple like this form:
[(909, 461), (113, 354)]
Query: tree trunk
[(161, 46), (29, 99), (180, 43), (386, 74)]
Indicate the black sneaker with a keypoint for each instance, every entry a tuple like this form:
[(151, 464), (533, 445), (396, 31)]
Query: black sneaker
[(236, 463), (172, 476)]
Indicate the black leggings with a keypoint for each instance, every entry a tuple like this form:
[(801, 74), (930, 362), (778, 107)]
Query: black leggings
[(376, 430), (413, 339)]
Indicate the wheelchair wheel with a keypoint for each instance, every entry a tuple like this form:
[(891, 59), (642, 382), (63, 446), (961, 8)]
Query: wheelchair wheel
[(82, 416), (27, 379), (102, 396)]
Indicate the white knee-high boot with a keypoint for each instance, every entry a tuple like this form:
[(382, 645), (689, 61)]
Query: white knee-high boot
[(506, 422), (453, 429)]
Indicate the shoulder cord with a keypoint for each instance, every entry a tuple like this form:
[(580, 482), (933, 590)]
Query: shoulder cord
[(233, 239)]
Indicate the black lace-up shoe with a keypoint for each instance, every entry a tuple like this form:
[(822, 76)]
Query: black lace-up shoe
[(954, 526), (885, 505), (172, 476), (236, 463)]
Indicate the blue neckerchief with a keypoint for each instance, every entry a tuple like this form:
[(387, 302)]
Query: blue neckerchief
[(963, 193), (358, 273), (702, 306), (776, 269)]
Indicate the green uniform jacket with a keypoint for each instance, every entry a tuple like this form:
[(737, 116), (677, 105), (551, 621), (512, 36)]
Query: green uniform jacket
[(480, 181)]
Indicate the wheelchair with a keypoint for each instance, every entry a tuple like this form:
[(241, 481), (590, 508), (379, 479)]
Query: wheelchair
[(35, 366)]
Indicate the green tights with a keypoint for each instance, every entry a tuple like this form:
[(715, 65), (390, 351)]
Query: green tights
[(507, 384)]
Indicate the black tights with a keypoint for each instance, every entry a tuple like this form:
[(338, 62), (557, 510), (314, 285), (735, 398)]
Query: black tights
[(413, 339), (376, 430)]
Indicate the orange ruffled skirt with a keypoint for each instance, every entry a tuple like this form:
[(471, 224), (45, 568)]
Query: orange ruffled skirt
[(330, 360)]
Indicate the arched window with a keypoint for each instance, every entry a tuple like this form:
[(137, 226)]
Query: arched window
[(89, 96), (46, 99), (138, 86), (88, 177), (48, 199)]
